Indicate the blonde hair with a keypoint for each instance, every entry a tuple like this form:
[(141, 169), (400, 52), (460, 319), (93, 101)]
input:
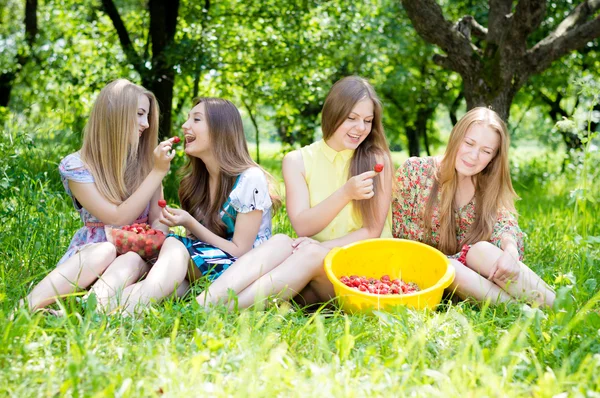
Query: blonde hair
[(493, 186), (342, 98), (118, 159), (229, 147)]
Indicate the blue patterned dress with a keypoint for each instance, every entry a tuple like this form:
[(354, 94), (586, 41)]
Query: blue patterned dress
[(250, 192)]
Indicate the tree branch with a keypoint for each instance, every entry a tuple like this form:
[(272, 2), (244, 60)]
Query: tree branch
[(429, 21), (528, 16), (498, 17), (31, 27), (581, 13), (132, 56), (552, 48), (476, 29)]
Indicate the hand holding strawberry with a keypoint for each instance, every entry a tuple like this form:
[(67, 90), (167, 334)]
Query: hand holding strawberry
[(175, 217), (163, 154), (360, 187)]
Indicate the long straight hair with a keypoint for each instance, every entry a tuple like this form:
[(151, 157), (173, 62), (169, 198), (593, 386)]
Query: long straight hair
[(342, 98), (118, 159), (493, 186), (229, 147)]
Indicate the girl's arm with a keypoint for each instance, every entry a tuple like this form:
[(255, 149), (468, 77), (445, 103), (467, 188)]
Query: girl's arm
[(244, 235), (307, 220), (91, 199), (383, 200)]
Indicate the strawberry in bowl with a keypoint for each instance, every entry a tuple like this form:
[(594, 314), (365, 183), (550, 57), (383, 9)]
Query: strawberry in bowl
[(139, 238)]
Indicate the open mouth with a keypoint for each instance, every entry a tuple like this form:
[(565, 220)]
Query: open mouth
[(354, 137), (468, 164), (189, 139)]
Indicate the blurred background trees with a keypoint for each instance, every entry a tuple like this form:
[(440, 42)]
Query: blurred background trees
[(429, 61)]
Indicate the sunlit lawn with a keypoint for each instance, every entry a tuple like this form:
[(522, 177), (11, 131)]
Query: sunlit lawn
[(176, 349)]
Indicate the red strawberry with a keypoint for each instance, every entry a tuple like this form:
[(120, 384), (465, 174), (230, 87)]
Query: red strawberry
[(176, 140), (162, 203), (378, 168)]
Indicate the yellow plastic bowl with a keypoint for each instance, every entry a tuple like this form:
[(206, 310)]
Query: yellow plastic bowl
[(399, 258)]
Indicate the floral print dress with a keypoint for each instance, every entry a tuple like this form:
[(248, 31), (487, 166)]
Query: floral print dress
[(414, 181)]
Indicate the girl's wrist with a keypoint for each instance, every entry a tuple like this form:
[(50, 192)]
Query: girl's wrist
[(159, 172)]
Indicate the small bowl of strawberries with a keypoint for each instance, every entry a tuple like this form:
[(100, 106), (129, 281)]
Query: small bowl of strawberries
[(140, 238)]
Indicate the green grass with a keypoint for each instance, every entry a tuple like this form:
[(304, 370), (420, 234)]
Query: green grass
[(178, 349)]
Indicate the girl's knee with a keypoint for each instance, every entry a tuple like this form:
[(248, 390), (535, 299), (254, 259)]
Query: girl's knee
[(130, 262), (99, 257), (105, 251), (480, 250), (280, 239), (315, 254), (482, 247)]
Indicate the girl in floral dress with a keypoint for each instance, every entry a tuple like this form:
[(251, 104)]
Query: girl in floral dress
[(225, 200), (333, 198), (463, 204), (114, 179)]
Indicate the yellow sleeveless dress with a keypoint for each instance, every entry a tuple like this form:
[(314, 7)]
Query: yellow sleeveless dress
[(326, 170)]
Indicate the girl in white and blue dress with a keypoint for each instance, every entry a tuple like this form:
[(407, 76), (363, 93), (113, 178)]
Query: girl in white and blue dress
[(226, 205)]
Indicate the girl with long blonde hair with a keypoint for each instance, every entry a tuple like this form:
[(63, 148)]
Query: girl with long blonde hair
[(226, 205), (463, 204), (114, 179), (333, 196)]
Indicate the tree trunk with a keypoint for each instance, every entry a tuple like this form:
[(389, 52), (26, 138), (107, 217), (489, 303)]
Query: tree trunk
[(161, 78), (423, 116), (255, 124), (6, 82), (7, 79), (163, 25), (412, 135)]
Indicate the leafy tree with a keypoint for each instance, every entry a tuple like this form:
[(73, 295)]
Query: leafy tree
[(495, 62)]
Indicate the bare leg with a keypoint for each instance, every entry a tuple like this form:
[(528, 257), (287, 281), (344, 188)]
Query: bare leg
[(78, 272), (482, 257), (166, 275), (288, 279), (124, 271), (248, 268), (468, 283), (183, 288)]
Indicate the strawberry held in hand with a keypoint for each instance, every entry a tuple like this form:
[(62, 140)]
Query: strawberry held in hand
[(162, 203), (139, 238), (378, 168), (176, 140)]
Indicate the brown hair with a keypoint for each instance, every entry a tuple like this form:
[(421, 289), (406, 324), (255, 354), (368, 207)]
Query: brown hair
[(118, 159), (340, 101), (226, 134), (493, 187)]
